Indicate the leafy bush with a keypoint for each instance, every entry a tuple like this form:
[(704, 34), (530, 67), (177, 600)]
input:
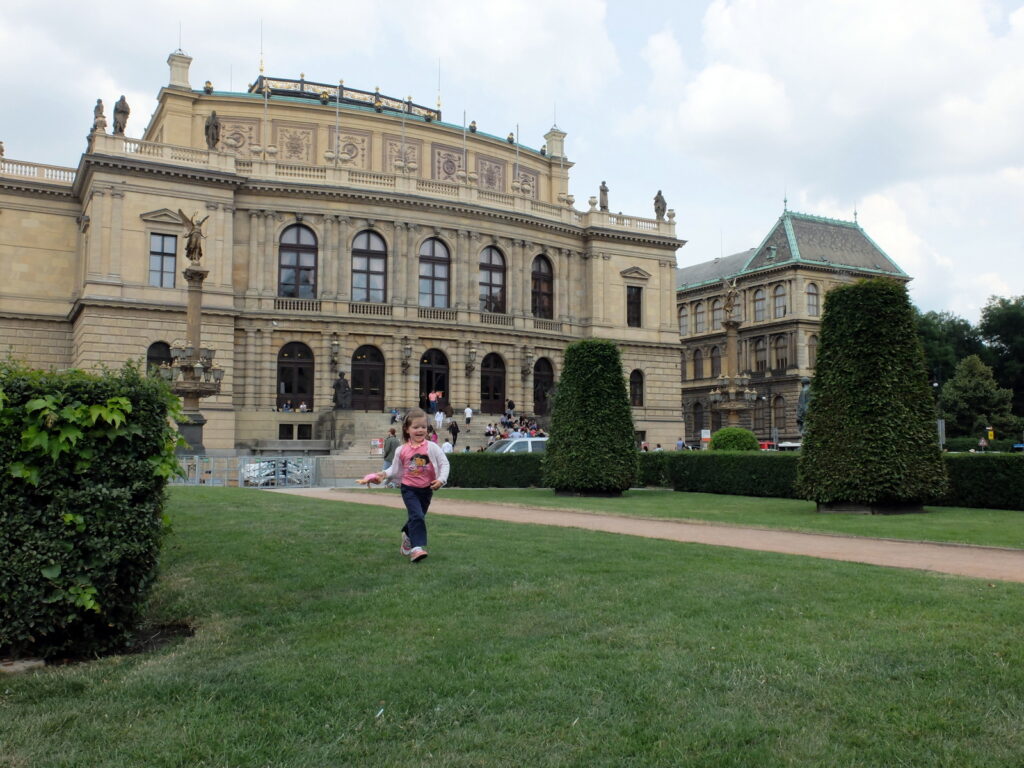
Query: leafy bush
[(734, 439), (869, 434), (591, 447), (652, 470), (742, 473), (85, 460), (495, 470), (987, 480)]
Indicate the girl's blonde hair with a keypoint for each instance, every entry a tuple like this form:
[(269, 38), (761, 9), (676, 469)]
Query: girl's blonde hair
[(414, 413)]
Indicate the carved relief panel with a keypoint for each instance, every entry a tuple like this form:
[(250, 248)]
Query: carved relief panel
[(393, 149), (529, 180), (238, 134), (353, 147), (446, 162), (491, 172), (296, 142)]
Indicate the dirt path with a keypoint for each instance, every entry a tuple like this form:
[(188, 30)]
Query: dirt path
[(963, 560)]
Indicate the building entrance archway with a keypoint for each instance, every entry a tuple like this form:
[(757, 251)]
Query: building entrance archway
[(434, 376), (492, 384), (368, 379)]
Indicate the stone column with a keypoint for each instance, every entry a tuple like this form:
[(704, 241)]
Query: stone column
[(344, 253), (213, 247), (95, 252), (399, 272), (268, 273), (267, 372), (519, 250), (248, 376), (327, 261), (460, 273), (116, 232), (227, 274), (254, 227), (473, 272)]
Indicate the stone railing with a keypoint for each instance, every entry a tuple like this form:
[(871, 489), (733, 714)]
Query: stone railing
[(258, 168), (297, 305), (53, 174)]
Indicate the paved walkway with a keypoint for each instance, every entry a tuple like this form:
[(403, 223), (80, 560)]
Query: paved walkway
[(962, 560)]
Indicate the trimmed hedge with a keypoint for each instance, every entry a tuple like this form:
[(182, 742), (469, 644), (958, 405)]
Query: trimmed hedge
[(495, 470), (987, 480), (591, 445), (653, 469), (965, 444), (742, 473), (85, 460)]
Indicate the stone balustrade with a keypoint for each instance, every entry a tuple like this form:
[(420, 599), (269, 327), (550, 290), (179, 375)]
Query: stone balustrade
[(338, 176)]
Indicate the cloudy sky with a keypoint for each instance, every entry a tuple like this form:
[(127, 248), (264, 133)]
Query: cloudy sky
[(909, 111)]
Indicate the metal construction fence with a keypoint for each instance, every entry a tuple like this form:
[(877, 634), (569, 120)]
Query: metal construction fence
[(264, 471)]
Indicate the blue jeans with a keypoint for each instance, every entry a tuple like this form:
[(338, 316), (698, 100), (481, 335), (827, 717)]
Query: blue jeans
[(417, 501)]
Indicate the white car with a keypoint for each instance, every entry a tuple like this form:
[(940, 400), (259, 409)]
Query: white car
[(518, 445), (272, 473)]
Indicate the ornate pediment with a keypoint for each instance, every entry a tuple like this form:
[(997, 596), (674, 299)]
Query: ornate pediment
[(162, 216), (635, 273)]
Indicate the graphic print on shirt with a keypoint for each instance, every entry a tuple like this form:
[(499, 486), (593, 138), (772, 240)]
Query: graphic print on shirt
[(417, 464)]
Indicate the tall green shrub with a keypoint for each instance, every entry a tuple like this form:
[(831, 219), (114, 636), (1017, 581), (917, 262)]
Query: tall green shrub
[(591, 449), (84, 461), (870, 436)]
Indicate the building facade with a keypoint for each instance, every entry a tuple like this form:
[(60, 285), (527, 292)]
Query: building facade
[(345, 231), (778, 289)]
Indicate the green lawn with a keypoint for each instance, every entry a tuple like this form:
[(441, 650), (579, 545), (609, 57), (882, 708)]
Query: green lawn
[(989, 527), (317, 645)]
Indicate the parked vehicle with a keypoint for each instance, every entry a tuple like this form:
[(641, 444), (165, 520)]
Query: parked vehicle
[(518, 445), (789, 446), (271, 473)]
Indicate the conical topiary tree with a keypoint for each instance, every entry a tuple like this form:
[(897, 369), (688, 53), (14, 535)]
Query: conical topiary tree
[(591, 448), (870, 442)]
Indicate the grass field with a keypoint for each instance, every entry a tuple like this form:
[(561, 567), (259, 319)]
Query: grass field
[(988, 527), (317, 645)]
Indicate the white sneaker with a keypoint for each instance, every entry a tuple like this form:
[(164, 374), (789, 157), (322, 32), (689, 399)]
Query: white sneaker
[(417, 554), (406, 548)]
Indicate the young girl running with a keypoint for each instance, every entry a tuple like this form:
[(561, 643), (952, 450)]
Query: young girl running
[(422, 468)]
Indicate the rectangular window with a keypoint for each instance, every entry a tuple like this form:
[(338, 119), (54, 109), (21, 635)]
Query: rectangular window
[(634, 306), (163, 250)]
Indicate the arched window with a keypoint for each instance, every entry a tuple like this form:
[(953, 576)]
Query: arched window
[(698, 364), (636, 388), (779, 413), (698, 419), (367, 379), (812, 351), (716, 362), (813, 303), (434, 275), (297, 263), (780, 355), (369, 267), (492, 384), (698, 318), (295, 369), (779, 295), (158, 353), (684, 320), (760, 356), (543, 385), (716, 315), (758, 305), (492, 281), (542, 295)]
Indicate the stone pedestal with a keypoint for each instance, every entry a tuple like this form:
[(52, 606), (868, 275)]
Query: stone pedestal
[(191, 428)]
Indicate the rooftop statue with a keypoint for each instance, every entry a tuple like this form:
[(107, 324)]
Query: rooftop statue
[(212, 130), (660, 206), (731, 294), (99, 122), (121, 112), (194, 238), (603, 199)]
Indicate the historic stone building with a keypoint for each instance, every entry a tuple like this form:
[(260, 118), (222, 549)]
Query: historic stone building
[(778, 295), (346, 231)]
